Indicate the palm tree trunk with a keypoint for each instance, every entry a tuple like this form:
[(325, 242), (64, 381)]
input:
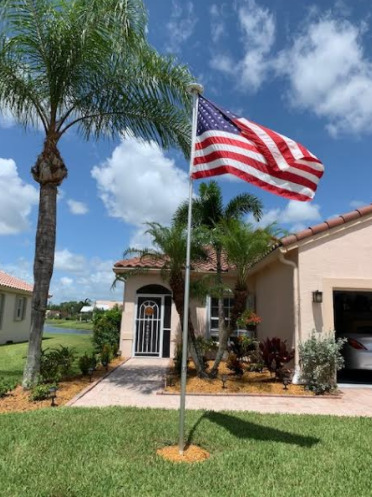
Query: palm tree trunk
[(177, 285), (223, 334), (49, 172)]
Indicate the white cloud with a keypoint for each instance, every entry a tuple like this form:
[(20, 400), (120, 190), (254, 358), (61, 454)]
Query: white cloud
[(140, 239), (78, 277), (16, 200), (257, 27), (181, 25), (138, 183), (6, 119), (67, 261), (355, 204), (295, 214), (77, 207), (330, 75), (217, 25)]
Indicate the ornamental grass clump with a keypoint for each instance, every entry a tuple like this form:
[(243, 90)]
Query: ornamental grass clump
[(320, 359)]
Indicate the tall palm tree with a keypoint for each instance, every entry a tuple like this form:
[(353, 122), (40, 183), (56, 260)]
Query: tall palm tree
[(209, 212), (170, 249), (84, 64), (243, 245)]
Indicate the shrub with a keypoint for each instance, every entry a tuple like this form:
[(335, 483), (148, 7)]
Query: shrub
[(243, 346), (177, 360), (274, 353), (106, 328), (41, 392), (56, 363), (320, 359), (106, 354), (234, 364), (6, 386), (86, 362)]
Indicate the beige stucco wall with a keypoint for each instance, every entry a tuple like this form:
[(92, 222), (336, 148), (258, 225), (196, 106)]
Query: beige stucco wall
[(273, 289), (335, 261), (199, 312), (16, 331)]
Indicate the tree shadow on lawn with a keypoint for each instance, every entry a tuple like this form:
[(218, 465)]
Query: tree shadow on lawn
[(246, 429)]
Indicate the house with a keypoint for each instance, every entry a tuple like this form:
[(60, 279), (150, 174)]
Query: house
[(15, 309), (318, 279), (86, 311)]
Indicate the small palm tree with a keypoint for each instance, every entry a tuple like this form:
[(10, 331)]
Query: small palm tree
[(170, 249), (84, 64), (209, 212), (243, 245)]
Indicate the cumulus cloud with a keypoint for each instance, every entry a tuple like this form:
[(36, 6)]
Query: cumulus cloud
[(181, 25), (330, 75), (257, 28), (295, 215), (76, 207), (16, 200), (67, 261), (138, 183), (78, 277)]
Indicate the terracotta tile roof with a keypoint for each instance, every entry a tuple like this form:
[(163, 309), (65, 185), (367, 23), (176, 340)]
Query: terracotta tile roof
[(327, 225), (149, 263), (8, 281)]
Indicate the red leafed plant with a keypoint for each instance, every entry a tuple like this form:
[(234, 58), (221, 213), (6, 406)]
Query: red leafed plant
[(274, 353)]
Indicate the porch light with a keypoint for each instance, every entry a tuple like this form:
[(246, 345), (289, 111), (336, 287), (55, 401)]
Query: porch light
[(317, 297), (53, 395)]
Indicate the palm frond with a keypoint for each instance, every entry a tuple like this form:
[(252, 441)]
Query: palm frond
[(243, 204)]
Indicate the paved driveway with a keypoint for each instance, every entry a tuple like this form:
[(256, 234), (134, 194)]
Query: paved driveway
[(138, 382)]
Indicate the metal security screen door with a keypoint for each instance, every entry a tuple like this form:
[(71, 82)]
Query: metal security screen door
[(148, 326)]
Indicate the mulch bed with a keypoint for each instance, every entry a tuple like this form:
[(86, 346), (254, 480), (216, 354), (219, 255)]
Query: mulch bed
[(18, 399), (249, 383), (191, 453)]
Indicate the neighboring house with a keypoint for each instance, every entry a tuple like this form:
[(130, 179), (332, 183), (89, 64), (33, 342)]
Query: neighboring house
[(15, 309), (318, 279), (102, 305)]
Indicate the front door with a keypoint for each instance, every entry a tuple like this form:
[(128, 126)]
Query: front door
[(149, 326)]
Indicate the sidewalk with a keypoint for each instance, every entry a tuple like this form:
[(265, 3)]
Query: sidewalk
[(138, 382)]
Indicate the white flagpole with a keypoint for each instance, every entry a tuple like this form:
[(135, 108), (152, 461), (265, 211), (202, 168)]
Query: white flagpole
[(195, 90)]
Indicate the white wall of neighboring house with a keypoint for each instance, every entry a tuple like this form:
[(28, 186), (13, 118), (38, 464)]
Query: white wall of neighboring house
[(15, 315)]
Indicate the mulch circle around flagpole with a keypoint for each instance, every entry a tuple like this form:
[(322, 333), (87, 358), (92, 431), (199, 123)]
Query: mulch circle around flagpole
[(191, 453)]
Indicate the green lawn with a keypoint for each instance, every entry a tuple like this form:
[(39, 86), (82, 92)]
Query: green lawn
[(12, 357), (111, 452), (67, 323)]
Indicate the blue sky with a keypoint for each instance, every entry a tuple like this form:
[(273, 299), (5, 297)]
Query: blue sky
[(302, 68)]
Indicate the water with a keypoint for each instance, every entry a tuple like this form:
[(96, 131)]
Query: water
[(54, 329)]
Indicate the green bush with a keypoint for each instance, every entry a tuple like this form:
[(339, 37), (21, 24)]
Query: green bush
[(86, 362), (42, 391), (106, 354), (6, 386), (320, 359), (56, 363), (106, 328)]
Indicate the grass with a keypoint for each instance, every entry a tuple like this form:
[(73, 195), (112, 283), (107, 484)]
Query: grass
[(12, 357), (111, 452), (68, 323)]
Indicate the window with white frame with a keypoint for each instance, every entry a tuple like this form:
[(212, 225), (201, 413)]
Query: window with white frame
[(2, 306), (20, 308), (228, 303)]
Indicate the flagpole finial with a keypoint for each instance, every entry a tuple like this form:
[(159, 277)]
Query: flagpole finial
[(195, 88)]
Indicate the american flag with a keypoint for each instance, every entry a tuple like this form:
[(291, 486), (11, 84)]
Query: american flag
[(226, 143)]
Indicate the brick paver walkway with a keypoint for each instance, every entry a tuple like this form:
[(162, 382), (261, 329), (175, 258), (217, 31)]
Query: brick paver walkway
[(137, 382)]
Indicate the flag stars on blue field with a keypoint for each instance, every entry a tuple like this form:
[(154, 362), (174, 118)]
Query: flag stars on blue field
[(212, 118)]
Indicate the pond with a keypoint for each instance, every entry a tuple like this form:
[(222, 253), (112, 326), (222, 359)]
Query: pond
[(55, 329)]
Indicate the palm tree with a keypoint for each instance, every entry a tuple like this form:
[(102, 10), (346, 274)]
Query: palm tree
[(84, 64), (243, 245), (170, 249), (209, 212)]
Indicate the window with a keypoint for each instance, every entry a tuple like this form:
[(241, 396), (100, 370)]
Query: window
[(20, 308), (227, 304), (2, 305)]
